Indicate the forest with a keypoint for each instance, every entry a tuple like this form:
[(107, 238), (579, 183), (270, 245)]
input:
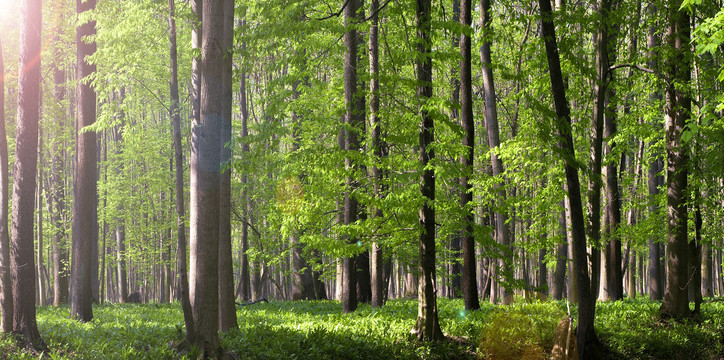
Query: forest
[(295, 179)]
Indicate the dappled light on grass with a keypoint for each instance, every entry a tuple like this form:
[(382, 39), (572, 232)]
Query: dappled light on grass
[(319, 330)]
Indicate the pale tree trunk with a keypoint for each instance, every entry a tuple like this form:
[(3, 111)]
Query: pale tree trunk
[(227, 308), (205, 177), (469, 287), (6, 290), (85, 175), (182, 279), (26, 146)]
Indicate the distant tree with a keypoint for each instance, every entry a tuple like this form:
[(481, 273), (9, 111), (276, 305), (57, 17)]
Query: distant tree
[(26, 157), (6, 290)]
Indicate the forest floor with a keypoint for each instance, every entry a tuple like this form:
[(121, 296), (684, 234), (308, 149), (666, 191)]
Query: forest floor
[(318, 330)]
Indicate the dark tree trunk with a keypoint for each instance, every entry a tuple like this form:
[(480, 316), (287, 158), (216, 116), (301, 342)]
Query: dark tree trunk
[(587, 342), (427, 326), (613, 263), (181, 274), (677, 110), (455, 289), (227, 307), (205, 177), (695, 260), (85, 175), (502, 229), (26, 146), (6, 290), (469, 282), (245, 278), (559, 275), (354, 121)]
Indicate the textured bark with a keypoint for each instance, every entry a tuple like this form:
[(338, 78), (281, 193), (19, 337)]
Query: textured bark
[(6, 290), (85, 175), (677, 110), (181, 272), (588, 345), (469, 282), (26, 146), (377, 260), (613, 263), (205, 177), (502, 228), (227, 307), (245, 278), (455, 268), (656, 266), (427, 326), (353, 122)]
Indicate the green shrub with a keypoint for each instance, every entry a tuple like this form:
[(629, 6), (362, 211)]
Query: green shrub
[(511, 335)]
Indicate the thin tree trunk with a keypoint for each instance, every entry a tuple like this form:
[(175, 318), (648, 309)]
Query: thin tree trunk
[(6, 290), (244, 278), (587, 342), (181, 274), (85, 175)]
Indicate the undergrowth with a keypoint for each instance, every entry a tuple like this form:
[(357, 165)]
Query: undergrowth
[(318, 330)]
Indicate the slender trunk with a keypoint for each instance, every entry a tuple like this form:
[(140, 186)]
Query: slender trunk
[(502, 229), (6, 290), (245, 278), (85, 175), (559, 276), (587, 342)]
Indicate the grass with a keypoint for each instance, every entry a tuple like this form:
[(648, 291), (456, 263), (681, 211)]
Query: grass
[(318, 330)]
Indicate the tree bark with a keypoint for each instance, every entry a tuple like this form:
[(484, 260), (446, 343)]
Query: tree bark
[(502, 229), (26, 146), (559, 275), (427, 326), (469, 282), (677, 111), (85, 175), (205, 177), (245, 278), (353, 122), (6, 290), (181, 274), (227, 307), (587, 342)]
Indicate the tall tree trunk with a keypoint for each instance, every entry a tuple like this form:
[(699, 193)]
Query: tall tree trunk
[(427, 326), (26, 146), (6, 290), (39, 212), (677, 110), (559, 275), (227, 307), (502, 229), (183, 284), (469, 282), (353, 122), (377, 260), (205, 177), (587, 342), (85, 175), (245, 278)]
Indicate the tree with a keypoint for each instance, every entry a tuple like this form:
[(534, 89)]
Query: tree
[(427, 326), (6, 290), (227, 308), (205, 177), (85, 173), (677, 111), (353, 121), (182, 279), (586, 339), (469, 283), (22, 259)]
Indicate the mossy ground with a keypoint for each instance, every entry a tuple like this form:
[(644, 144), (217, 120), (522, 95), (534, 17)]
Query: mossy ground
[(318, 330)]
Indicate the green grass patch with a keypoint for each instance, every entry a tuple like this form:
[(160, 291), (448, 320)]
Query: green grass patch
[(319, 330)]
